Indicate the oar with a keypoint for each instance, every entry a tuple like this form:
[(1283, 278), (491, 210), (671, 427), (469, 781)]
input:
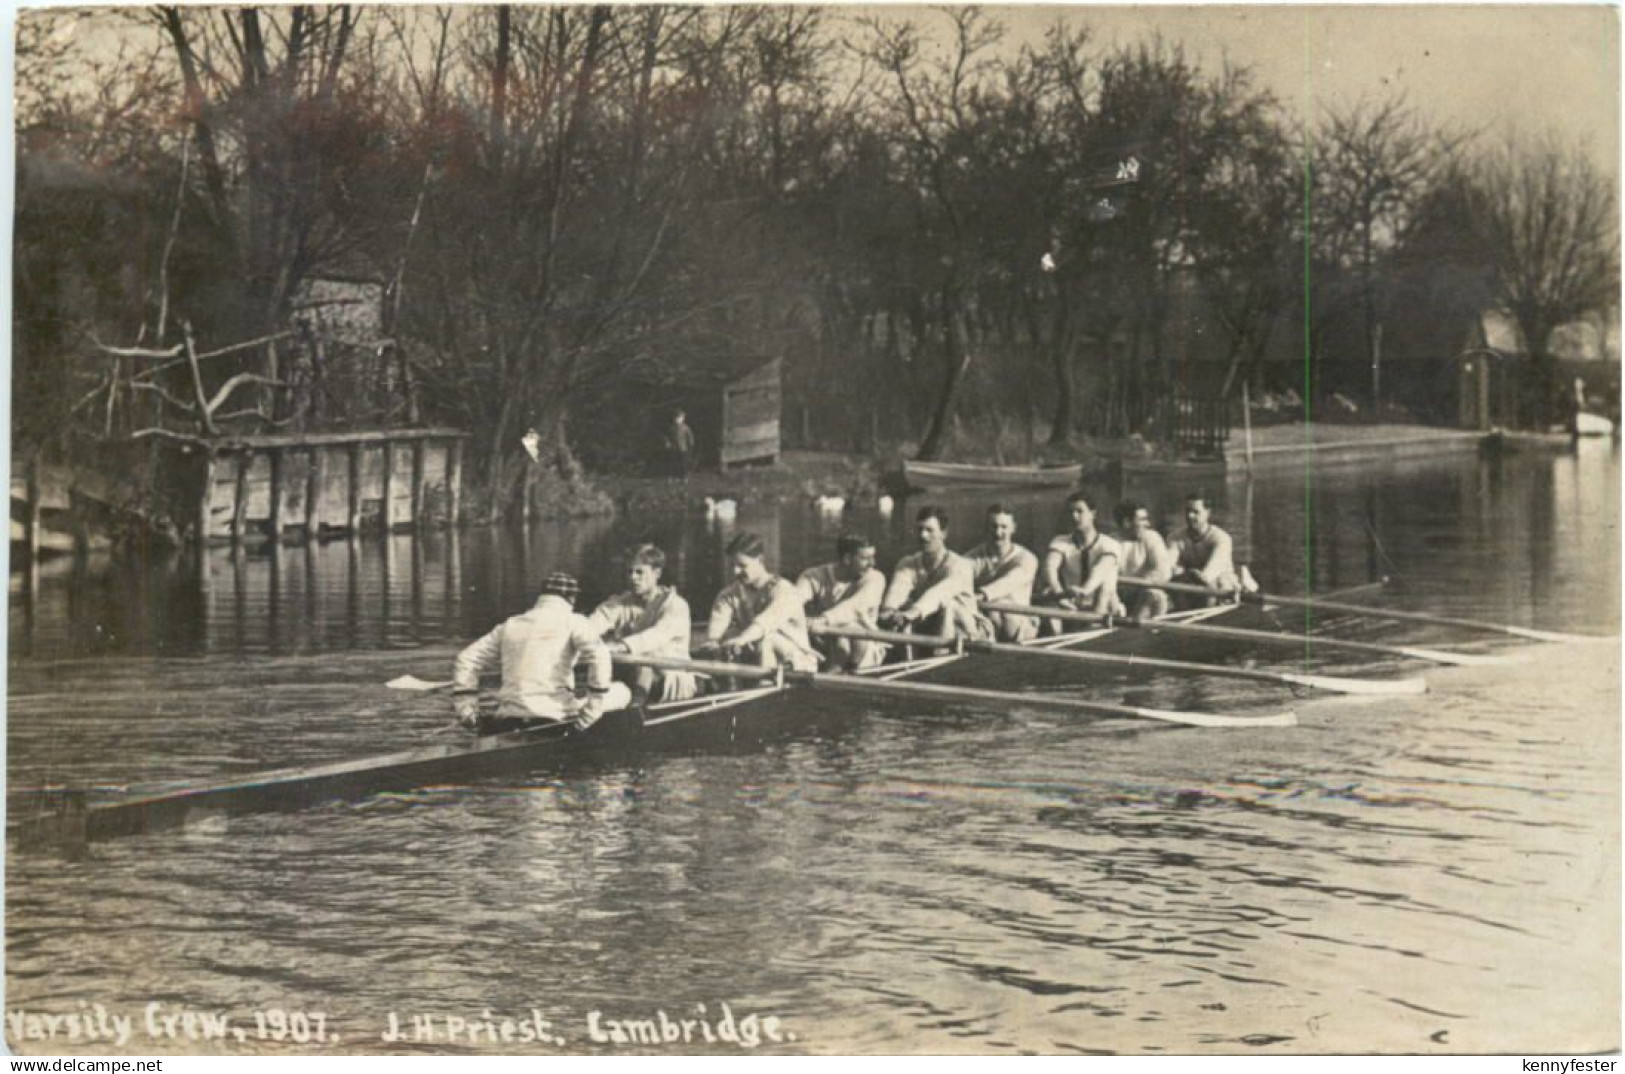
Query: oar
[(999, 699), (1333, 683), (1261, 637), (412, 682), (1371, 612)]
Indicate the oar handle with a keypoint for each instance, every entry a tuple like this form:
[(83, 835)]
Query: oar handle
[(716, 669), (895, 637)]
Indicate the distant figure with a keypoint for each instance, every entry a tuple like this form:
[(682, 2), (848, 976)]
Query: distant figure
[(1005, 572), (537, 653), (680, 445)]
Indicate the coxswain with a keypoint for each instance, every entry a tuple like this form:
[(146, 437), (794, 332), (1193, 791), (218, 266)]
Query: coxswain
[(933, 591), (649, 619), (1080, 566), (846, 593), (537, 653), (1144, 556), (1005, 571), (759, 618), (1203, 552)]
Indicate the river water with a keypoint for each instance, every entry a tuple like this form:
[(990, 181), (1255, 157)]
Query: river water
[(1429, 874)]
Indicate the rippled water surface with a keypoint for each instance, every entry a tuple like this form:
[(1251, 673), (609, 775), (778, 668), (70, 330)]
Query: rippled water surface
[(1436, 873)]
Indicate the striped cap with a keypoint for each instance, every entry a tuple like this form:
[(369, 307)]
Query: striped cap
[(559, 584)]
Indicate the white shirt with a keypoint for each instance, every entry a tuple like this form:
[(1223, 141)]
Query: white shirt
[(538, 652)]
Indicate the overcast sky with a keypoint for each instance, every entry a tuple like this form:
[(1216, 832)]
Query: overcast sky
[(1525, 68)]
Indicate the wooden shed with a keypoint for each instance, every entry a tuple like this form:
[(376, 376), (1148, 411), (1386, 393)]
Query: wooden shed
[(751, 409)]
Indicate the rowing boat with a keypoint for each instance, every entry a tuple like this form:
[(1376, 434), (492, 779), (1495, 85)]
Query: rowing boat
[(723, 720), (931, 475)]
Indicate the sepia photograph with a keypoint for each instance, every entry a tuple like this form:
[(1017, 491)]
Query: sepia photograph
[(750, 529)]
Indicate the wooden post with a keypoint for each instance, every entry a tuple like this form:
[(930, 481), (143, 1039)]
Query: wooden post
[(278, 469), (35, 508), (239, 507), (454, 481), (314, 493), (1247, 422), (419, 451), (389, 486), (205, 513), (355, 489)]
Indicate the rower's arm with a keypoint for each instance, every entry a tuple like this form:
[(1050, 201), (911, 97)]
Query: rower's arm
[(1218, 562), (1051, 573), (484, 655), (1014, 580), (722, 618), (1102, 577), (782, 607), (958, 580), (898, 592), (667, 634), (1159, 560), (608, 617), (861, 604), (590, 650)]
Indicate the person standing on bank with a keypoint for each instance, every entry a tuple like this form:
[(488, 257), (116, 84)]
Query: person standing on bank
[(680, 445), (649, 619), (537, 653), (759, 618), (846, 593), (1005, 571)]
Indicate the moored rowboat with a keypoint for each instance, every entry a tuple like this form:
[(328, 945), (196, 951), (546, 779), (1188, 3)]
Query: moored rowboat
[(930, 475)]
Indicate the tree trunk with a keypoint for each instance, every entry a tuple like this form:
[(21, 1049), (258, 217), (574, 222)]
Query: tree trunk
[(957, 361)]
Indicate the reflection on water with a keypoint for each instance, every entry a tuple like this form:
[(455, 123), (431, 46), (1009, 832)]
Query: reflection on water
[(1429, 874), (1524, 534)]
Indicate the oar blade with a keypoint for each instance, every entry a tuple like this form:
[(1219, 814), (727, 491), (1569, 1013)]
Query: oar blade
[(1365, 687), (1462, 660), (1556, 635), (1206, 719), (412, 682)]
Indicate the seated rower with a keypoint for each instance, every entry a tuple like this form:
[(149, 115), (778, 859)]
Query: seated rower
[(537, 653), (1202, 552), (1080, 567), (1005, 571), (649, 619), (846, 593), (1145, 556), (759, 618), (933, 591)]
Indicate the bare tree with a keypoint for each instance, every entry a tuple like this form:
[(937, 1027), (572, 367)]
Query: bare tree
[(1548, 220)]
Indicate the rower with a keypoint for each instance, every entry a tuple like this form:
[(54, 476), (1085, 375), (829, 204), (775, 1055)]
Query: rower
[(1005, 571), (1080, 567), (846, 593), (933, 591), (759, 618), (537, 653), (649, 619), (1144, 556), (1203, 552)]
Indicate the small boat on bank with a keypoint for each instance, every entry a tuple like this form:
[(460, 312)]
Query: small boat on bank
[(932, 475)]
